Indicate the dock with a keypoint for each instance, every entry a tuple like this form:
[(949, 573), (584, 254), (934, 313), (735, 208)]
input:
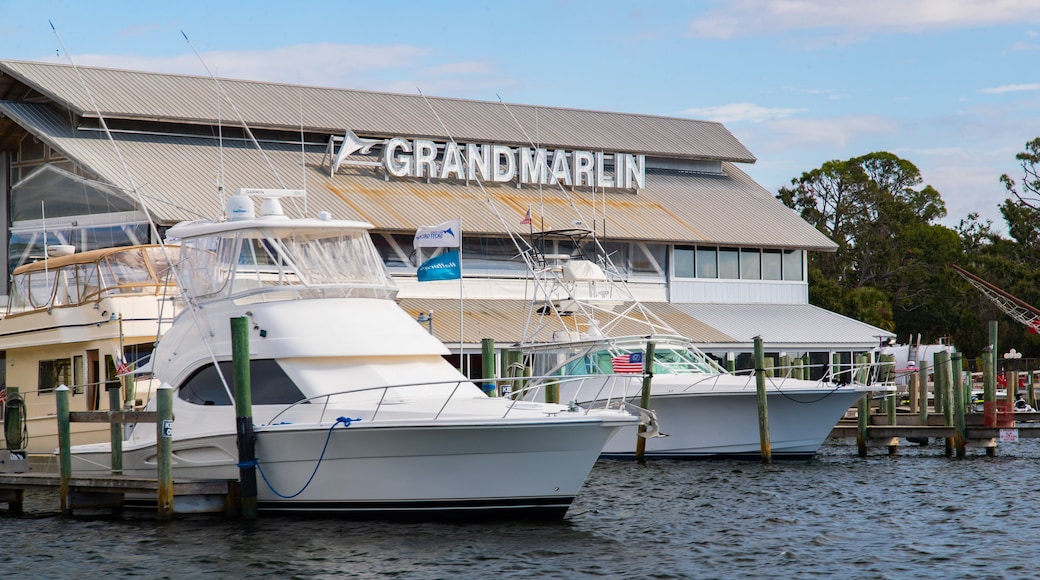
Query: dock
[(117, 492), (881, 431)]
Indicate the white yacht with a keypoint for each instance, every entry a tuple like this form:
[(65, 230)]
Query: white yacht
[(355, 409), (584, 323)]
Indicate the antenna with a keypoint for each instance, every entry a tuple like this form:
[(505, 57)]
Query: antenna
[(241, 119), (140, 200)]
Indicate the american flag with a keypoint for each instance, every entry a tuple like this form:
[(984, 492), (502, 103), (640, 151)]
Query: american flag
[(628, 363), (527, 218)]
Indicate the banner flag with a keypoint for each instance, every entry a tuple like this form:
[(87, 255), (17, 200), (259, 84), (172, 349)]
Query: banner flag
[(445, 235), (443, 267), (527, 219)]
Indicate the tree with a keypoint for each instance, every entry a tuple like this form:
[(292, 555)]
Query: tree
[(879, 214)]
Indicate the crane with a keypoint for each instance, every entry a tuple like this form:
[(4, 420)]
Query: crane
[(1017, 309)]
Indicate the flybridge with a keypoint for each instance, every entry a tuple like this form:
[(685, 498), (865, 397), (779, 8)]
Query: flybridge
[(425, 158)]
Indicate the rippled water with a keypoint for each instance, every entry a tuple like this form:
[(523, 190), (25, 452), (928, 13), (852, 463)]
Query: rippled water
[(915, 515)]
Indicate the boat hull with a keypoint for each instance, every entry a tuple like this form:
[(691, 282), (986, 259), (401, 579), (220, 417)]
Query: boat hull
[(470, 470), (726, 425)]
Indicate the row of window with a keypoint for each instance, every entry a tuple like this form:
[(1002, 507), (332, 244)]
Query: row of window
[(499, 256), (737, 263)]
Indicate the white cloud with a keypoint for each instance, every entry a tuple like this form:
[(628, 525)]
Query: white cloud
[(739, 112), (397, 68), (736, 18), (1011, 88), (830, 133)]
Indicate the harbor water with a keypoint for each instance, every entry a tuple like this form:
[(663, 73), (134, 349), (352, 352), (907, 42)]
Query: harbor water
[(918, 514)]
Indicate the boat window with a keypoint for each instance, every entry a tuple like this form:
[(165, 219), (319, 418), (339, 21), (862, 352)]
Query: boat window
[(53, 373), (269, 385)]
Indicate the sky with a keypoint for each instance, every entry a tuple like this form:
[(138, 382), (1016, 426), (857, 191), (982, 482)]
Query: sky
[(951, 85)]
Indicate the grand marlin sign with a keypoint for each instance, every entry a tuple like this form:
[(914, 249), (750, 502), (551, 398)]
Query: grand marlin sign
[(429, 159)]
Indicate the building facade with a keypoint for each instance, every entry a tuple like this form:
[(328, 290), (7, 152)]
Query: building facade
[(93, 157)]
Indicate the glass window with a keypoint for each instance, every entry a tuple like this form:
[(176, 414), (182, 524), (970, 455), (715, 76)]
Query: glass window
[(771, 265), (649, 259), (54, 373), (792, 265), (493, 256), (706, 264), (396, 250), (729, 263), (750, 264), (269, 385), (683, 258)]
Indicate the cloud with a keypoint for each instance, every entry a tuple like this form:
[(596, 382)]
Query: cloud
[(739, 112), (735, 18), (1011, 89), (397, 68), (829, 133)]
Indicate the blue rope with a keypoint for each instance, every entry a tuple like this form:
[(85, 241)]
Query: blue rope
[(346, 423)]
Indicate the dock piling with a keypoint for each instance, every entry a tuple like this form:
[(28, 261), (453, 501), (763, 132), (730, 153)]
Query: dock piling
[(763, 408), (244, 415), (644, 398)]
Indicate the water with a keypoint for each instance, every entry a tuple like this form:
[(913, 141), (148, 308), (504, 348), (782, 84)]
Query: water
[(915, 515)]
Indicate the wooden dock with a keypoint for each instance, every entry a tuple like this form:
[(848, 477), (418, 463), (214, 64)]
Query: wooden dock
[(116, 492), (881, 432)]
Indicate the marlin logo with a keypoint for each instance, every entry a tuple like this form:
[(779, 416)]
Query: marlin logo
[(351, 144)]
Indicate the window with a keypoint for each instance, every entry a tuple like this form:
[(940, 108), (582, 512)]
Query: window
[(750, 264), (269, 385), (683, 258), (771, 265), (792, 265), (729, 263), (53, 373), (706, 263), (649, 259)]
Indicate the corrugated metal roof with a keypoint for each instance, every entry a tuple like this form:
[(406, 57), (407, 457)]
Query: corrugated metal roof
[(177, 177), (193, 99), (503, 321), (786, 325)]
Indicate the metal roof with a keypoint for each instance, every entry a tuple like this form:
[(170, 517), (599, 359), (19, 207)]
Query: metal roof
[(177, 176), (194, 99), (787, 325), (503, 321)]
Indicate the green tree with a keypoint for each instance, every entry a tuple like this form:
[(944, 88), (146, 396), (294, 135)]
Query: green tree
[(880, 215)]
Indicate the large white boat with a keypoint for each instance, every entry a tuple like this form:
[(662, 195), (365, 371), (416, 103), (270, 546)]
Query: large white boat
[(78, 319), (583, 322), (355, 409)]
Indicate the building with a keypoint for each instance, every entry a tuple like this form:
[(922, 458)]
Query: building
[(92, 156)]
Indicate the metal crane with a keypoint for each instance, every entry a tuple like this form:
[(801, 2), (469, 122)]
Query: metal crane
[(1017, 309)]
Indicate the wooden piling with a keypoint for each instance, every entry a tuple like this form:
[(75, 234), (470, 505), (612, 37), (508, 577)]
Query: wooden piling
[(164, 451), (763, 407), (922, 379), (487, 360), (944, 385), (244, 416), (957, 374), (644, 399), (61, 399), (115, 403)]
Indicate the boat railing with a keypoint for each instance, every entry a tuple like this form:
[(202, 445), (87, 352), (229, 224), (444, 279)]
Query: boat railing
[(371, 402), (611, 389), (867, 373), (281, 292)]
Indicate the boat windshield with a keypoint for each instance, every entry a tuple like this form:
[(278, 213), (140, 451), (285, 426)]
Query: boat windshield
[(90, 276), (284, 264), (667, 361)]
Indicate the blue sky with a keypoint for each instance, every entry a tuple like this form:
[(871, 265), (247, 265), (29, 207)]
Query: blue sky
[(951, 85)]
